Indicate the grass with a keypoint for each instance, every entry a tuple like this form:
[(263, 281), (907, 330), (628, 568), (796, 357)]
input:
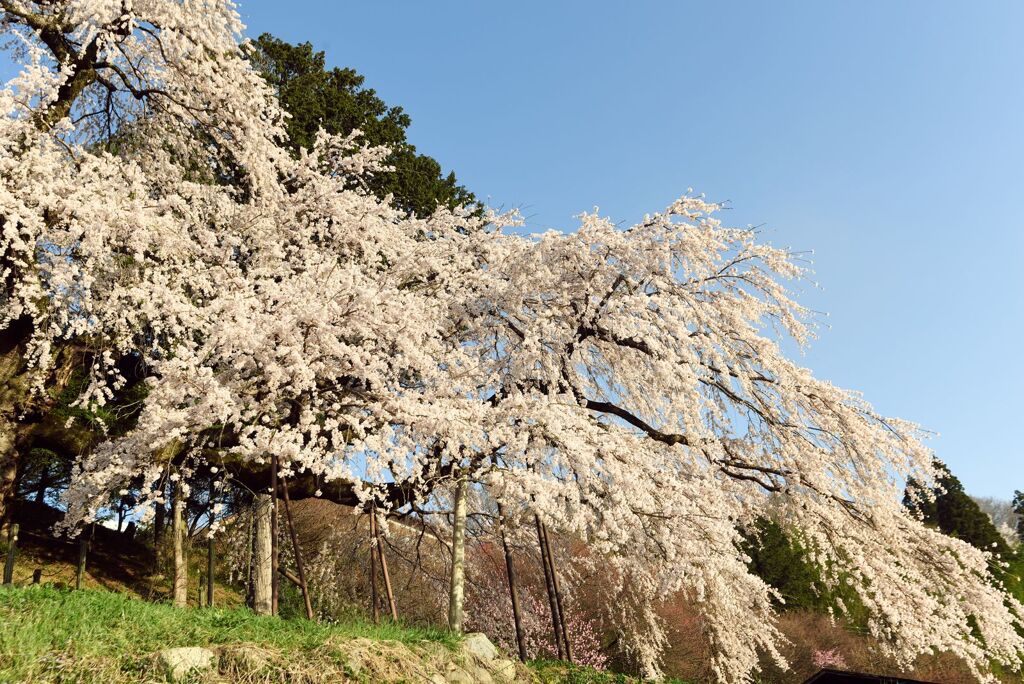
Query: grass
[(49, 634)]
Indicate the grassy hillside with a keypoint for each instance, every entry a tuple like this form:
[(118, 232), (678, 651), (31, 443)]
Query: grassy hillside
[(49, 634)]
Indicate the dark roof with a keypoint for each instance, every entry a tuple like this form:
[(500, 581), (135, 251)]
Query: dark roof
[(841, 677)]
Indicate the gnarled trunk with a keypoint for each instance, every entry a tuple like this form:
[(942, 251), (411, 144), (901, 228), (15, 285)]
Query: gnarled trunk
[(14, 395)]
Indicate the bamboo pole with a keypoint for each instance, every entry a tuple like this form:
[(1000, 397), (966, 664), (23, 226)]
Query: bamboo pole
[(513, 591), (295, 548)]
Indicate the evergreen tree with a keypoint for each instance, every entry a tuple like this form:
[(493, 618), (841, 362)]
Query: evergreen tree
[(956, 513), (336, 100)]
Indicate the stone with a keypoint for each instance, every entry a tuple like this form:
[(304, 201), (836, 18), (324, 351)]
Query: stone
[(504, 670), (478, 645), (178, 663), (246, 658)]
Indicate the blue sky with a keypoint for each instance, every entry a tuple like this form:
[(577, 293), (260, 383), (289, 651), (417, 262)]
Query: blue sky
[(886, 136)]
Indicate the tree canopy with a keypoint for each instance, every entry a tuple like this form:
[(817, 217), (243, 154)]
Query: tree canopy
[(627, 387)]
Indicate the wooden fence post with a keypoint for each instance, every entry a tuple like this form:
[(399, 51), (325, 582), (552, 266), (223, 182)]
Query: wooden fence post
[(12, 553), (83, 552)]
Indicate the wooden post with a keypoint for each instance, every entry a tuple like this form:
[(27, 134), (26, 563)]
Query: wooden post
[(513, 591), (210, 560), (83, 551), (249, 597), (556, 623), (384, 566), (457, 588), (275, 583), (296, 550), (558, 596), (262, 565), (373, 569), (12, 553), (179, 582), (159, 523)]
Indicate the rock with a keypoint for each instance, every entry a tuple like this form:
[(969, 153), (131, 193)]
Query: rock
[(178, 663), (477, 644), (246, 659), (504, 670), (460, 676)]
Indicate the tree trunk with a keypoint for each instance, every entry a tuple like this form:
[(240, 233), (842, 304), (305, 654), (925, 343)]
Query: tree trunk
[(180, 583), (15, 389), (262, 566), (9, 458), (44, 484), (456, 594), (510, 568), (556, 622)]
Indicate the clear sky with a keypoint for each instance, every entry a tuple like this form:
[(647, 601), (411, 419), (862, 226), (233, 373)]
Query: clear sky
[(886, 136)]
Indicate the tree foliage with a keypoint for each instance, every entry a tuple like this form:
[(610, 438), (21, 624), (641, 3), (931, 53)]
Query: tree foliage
[(336, 101), (626, 386), (948, 507)]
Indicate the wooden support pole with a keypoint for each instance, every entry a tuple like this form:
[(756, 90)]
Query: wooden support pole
[(210, 559), (296, 550), (556, 623), (12, 553), (275, 583), (83, 552), (384, 566), (180, 580), (457, 588), (558, 596), (374, 602), (513, 591)]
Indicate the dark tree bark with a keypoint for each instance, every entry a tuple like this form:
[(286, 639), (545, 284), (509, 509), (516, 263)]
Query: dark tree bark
[(298, 552), (513, 590), (556, 622)]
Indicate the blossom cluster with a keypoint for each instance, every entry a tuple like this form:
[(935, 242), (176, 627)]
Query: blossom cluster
[(627, 386)]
